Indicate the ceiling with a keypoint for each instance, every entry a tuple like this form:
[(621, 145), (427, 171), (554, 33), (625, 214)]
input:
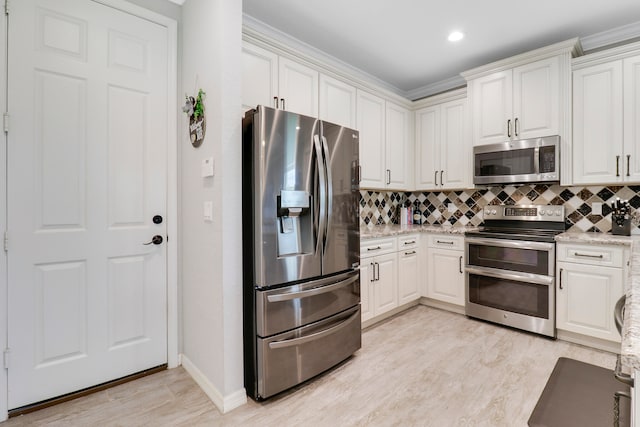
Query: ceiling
[(404, 42)]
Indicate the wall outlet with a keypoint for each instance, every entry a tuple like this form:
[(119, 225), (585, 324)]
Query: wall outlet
[(596, 208), (452, 208)]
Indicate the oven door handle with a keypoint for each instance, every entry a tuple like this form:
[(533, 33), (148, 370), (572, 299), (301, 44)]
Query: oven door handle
[(517, 277), (520, 244)]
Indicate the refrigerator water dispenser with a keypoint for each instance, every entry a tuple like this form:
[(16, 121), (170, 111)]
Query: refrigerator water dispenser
[(295, 231)]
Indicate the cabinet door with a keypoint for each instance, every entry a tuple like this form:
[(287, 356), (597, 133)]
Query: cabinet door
[(408, 276), (455, 147), (536, 99), (385, 288), (337, 102), (366, 287), (445, 278), (371, 124), (398, 147), (585, 299), (632, 118), (298, 85), (597, 124), (259, 77), (427, 148), (492, 108)]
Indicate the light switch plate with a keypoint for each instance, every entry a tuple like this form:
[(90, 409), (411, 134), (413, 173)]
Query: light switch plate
[(596, 208), (208, 211), (208, 167)]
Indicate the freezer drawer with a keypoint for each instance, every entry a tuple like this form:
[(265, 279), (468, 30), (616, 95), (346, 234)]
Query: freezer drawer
[(293, 357), (290, 307)]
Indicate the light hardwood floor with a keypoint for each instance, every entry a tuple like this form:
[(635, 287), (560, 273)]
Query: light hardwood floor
[(424, 367)]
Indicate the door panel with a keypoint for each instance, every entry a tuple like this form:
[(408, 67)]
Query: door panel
[(492, 98), (87, 172), (342, 244), (371, 125)]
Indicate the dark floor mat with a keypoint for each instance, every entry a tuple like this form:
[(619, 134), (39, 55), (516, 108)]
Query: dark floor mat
[(581, 395)]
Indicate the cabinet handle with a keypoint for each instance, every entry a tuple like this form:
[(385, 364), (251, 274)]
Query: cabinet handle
[(413, 242), (441, 173), (282, 102), (373, 272), (275, 102), (628, 159), (435, 178), (410, 253), (515, 126), (378, 275), (509, 128), (388, 176), (377, 248), (617, 165), (560, 279), (448, 243), (359, 173), (460, 264), (588, 256)]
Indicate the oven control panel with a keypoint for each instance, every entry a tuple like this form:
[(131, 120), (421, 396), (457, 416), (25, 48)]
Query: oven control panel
[(525, 212)]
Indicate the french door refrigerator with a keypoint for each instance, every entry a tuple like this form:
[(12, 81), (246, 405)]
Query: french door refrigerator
[(301, 248)]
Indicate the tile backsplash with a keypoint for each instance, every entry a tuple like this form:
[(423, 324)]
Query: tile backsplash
[(383, 207)]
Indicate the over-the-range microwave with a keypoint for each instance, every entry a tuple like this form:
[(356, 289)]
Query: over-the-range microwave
[(526, 160)]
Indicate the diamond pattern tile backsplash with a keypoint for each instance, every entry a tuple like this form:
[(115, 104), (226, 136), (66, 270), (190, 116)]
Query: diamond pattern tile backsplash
[(384, 207)]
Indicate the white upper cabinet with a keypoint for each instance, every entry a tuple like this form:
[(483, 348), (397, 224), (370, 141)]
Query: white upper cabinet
[(443, 146), (386, 143), (337, 102), (606, 114), (272, 80), (259, 77), (519, 103), (399, 142), (298, 86), (371, 124)]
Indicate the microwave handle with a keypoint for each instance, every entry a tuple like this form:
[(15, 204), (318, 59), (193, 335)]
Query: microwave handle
[(536, 163)]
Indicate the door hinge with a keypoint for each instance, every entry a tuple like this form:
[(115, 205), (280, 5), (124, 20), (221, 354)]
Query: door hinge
[(6, 241), (5, 122), (7, 353)]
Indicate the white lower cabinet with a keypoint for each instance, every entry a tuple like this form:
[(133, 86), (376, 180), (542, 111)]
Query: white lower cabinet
[(445, 268), (589, 282), (389, 274)]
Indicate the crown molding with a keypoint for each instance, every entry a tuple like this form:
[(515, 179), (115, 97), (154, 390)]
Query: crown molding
[(450, 95), (445, 85), (612, 36), (258, 32)]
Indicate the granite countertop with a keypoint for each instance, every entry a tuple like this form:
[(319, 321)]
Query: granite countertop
[(598, 238), (372, 231)]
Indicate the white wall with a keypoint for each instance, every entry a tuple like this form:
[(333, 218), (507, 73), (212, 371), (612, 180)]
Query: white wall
[(212, 252)]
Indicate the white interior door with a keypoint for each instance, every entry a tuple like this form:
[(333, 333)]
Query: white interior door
[(87, 164)]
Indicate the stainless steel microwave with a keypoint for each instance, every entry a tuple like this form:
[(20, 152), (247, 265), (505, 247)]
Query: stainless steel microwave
[(526, 160)]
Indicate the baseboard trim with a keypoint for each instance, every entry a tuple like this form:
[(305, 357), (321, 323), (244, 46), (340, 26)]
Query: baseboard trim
[(442, 305), (223, 403), (587, 341)]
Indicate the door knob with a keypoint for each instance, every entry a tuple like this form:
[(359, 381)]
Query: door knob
[(157, 219), (156, 240)]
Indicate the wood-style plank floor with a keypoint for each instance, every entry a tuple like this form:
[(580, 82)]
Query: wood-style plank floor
[(424, 367)]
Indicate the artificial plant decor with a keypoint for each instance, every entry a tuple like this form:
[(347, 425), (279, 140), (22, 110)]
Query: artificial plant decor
[(194, 108)]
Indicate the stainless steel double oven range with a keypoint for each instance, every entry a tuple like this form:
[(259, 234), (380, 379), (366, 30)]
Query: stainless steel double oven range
[(510, 269)]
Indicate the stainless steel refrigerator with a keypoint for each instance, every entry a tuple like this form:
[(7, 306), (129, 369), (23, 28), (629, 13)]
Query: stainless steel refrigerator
[(301, 248)]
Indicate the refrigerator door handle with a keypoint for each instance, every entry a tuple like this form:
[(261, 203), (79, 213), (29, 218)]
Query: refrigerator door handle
[(329, 193), (318, 335), (322, 217), (312, 292)]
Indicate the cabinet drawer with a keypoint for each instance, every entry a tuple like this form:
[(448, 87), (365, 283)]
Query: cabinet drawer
[(610, 256), (377, 246), (408, 241), (446, 241)]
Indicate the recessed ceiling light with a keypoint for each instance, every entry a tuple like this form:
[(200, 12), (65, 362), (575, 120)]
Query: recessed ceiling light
[(455, 36)]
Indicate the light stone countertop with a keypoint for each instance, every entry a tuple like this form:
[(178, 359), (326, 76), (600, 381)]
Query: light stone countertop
[(597, 238), (373, 231)]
